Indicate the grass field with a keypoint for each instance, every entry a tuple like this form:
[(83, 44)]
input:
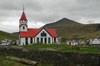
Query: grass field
[(5, 62), (64, 47)]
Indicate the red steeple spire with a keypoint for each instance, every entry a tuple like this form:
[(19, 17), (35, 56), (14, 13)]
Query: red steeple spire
[(23, 17)]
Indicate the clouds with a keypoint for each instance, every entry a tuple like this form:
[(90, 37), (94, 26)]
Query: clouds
[(40, 12)]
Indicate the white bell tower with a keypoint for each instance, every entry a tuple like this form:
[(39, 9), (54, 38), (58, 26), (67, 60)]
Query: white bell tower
[(23, 27)]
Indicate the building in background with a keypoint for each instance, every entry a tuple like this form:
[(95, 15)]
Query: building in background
[(95, 41), (6, 42), (72, 42)]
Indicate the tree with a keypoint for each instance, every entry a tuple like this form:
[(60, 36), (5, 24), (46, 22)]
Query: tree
[(63, 39)]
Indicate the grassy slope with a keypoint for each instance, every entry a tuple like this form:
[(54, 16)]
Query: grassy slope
[(81, 31), (69, 29), (4, 35)]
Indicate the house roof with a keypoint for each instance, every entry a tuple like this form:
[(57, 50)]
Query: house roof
[(93, 38), (23, 17), (33, 32), (52, 32), (70, 40)]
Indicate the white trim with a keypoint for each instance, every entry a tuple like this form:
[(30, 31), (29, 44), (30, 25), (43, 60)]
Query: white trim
[(29, 41), (47, 40), (33, 40)]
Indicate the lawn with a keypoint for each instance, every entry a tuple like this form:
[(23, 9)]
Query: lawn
[(64, 47)]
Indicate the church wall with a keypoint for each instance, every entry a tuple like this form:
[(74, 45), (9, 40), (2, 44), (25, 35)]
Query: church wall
[(39, 36), (57, 41), (51, 40), (22, 41), (22, 22), (33, 41), (21, 28), (29, 41)]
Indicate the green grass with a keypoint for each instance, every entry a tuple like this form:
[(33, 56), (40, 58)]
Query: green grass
[(5, 35), (6, 62), (64, 47), (45, 65)]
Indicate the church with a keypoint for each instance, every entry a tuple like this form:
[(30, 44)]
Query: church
[(29, 36)]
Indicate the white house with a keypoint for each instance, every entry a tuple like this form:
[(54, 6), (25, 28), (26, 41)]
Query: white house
[(95, 41), (29, 36), (72, 42), (6, 42)]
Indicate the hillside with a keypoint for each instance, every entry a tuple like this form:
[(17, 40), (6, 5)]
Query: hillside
[(70, 29), (5, 35), (16, 33), (62, 22)]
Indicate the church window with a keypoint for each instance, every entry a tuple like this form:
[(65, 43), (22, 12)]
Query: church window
[(43, 34), (26, 41), (37, 40), (54, 40), (23, 27), (31, 40), (48, 40), (45, 40), (41, 40)]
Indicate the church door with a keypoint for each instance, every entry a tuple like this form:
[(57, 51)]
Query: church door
[(45, 40), (41, 40)]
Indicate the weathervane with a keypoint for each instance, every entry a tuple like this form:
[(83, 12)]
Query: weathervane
[(23, 7)]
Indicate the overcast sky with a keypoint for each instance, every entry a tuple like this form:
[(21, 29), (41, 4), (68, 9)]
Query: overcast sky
[(40, 12)]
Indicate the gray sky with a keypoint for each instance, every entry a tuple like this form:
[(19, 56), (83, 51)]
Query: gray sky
[(40, 12)]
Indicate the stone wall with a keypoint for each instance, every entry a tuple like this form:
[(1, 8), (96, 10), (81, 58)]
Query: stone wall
[(57, 58)]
